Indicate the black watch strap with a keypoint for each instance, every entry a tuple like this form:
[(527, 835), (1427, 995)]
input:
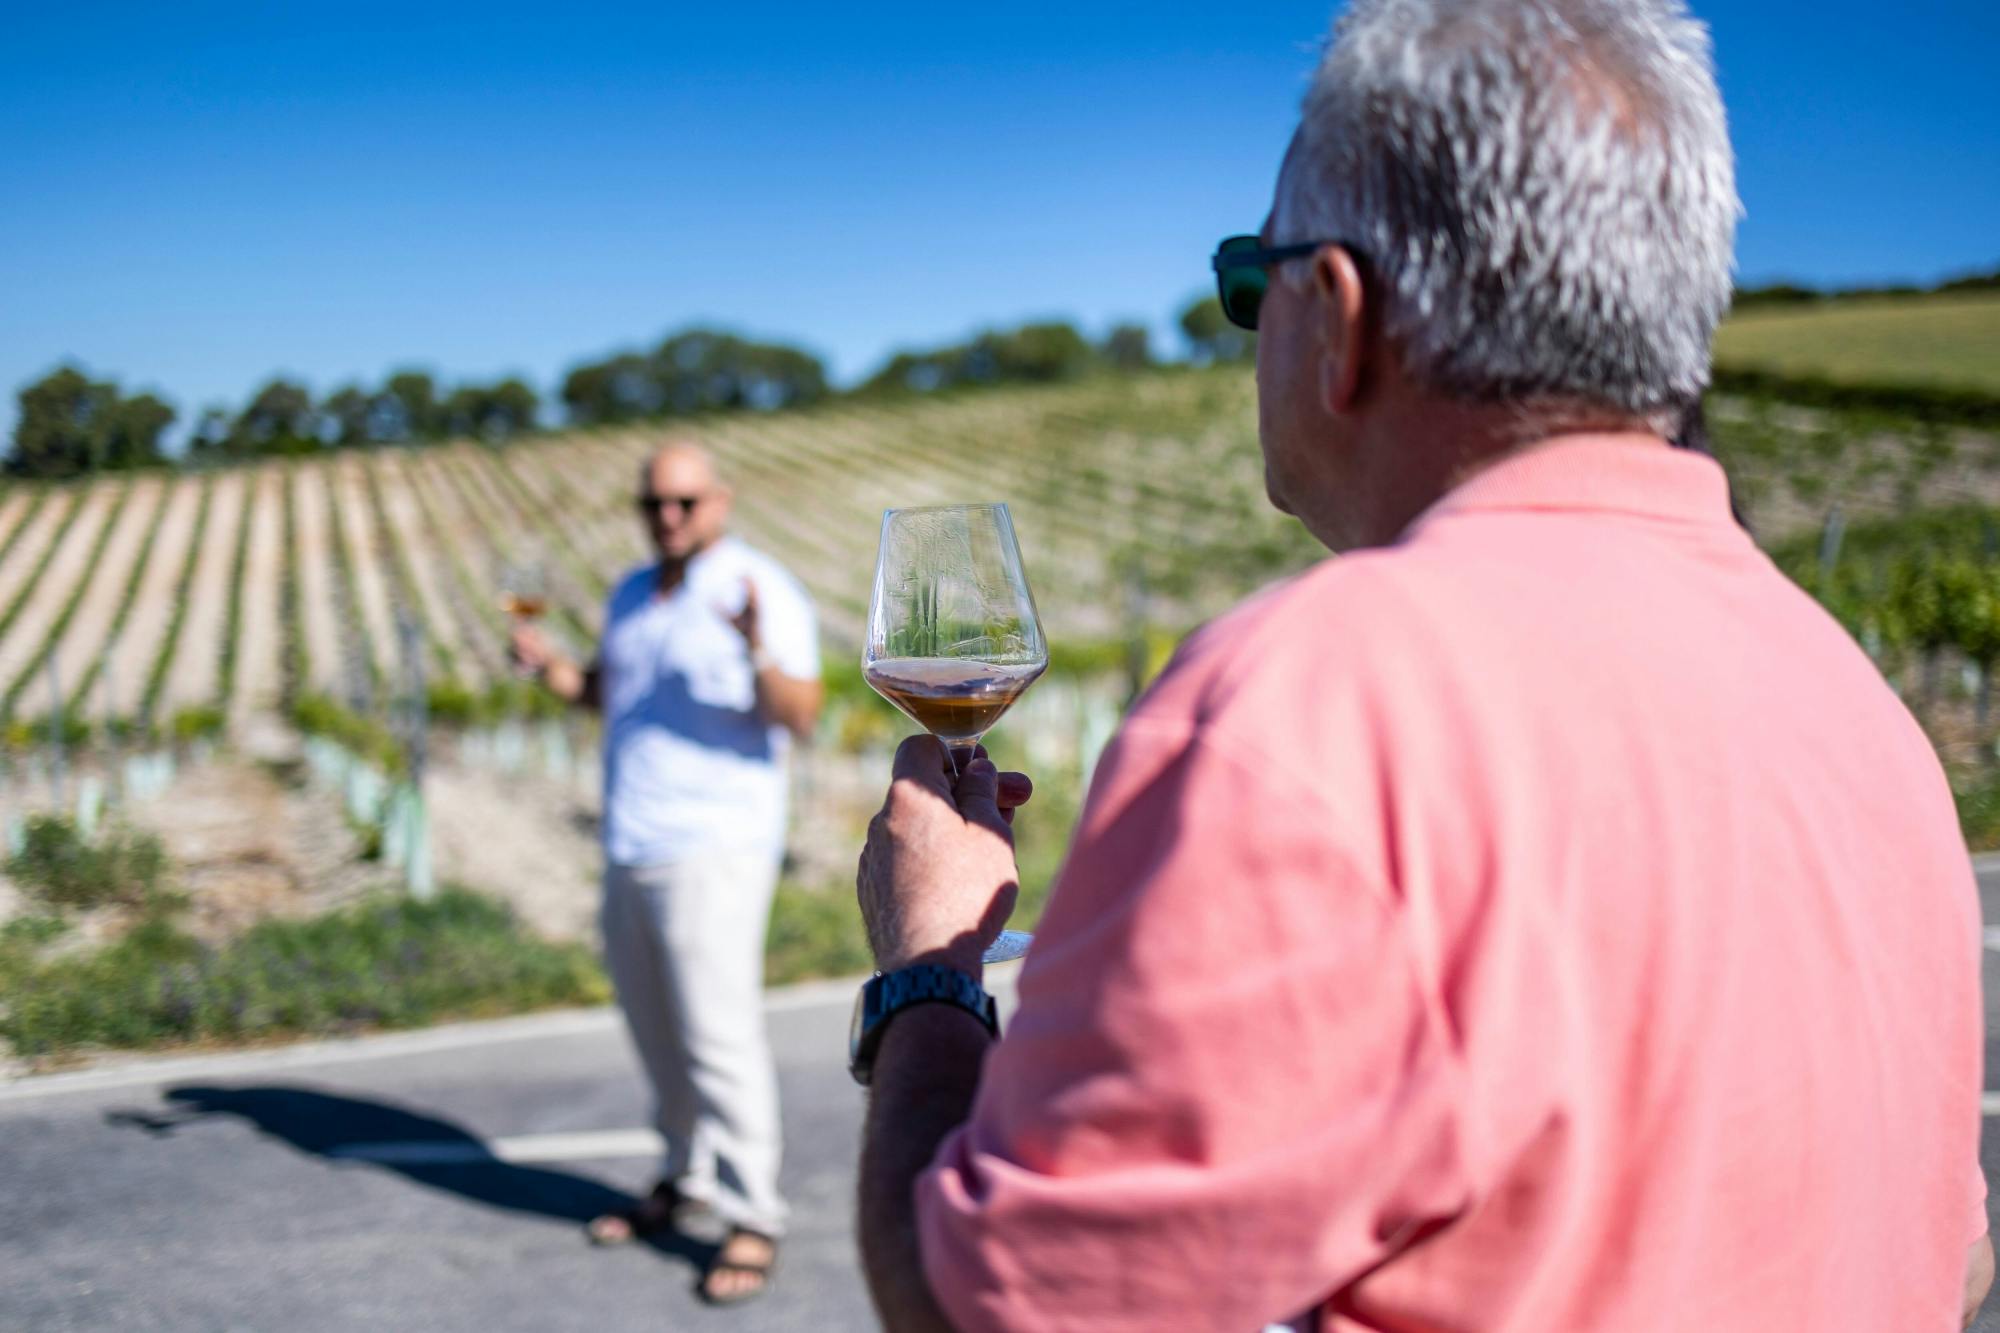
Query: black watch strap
[(885, 995)]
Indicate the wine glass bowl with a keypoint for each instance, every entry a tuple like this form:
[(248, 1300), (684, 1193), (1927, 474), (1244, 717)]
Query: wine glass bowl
[(524, 589), (953, 636)]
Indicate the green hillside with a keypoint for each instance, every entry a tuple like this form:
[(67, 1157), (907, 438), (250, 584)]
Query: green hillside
[(210, 595), (1943, 339)]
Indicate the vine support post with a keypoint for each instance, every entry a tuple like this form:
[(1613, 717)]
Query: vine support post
[(58, 733), (1831, 534), (408, 805), (1138, 650)]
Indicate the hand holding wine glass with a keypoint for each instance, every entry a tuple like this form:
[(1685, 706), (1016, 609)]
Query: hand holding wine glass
[(530, 649), (937, 877), (524, 589), (524, 598)]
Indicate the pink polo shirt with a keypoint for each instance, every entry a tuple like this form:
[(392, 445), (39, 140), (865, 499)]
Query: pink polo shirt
[(1549, 922)]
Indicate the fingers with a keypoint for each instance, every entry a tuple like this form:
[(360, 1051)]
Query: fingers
[(528, 645), (922, 759), (743, 614), (977, 796), (979, 782), (982, 793), (1015, 790)]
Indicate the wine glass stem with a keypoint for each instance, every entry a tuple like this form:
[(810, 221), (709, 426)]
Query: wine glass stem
[(960, 756)]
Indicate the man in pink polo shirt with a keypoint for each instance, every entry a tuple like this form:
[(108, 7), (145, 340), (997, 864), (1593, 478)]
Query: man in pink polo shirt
[(1542, 917)]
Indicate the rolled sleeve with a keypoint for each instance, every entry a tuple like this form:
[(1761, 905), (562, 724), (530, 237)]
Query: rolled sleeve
[(1221, 1098)]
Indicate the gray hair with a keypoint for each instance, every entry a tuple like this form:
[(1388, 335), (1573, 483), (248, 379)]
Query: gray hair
[(1543, 188)]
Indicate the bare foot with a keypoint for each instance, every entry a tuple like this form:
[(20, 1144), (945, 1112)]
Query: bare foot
[(666, 1208), (741, 1268)]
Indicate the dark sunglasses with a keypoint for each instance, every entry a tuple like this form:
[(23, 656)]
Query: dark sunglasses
[(654, 504), (1242, 267)]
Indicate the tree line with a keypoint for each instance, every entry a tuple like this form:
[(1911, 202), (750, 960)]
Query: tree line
[(1793, 293), (71, 424)]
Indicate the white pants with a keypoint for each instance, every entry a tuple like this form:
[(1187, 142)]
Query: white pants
[(685, 946)]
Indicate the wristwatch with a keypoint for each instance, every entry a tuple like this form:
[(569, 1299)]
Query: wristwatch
[(885, 995)]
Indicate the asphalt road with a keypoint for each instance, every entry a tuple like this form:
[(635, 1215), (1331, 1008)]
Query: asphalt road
[(350, 1186), (242, 1194)]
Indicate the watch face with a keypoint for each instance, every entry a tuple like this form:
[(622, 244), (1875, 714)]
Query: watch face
[(854, 1027)]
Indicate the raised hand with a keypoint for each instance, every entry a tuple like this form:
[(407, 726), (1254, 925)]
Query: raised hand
[(530, 649), (745, 620)]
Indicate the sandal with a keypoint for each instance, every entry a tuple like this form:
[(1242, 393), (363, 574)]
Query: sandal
[(665, 1209), (762, 1271)]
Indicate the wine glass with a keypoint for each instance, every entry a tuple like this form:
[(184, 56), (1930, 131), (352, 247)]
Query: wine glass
[(524, 589), (953, 638), (524, 596)]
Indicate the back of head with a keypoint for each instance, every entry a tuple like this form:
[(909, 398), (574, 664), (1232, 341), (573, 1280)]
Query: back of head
[(1543, 190)]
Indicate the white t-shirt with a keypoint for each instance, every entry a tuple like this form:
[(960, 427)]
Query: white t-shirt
[(689, 766)]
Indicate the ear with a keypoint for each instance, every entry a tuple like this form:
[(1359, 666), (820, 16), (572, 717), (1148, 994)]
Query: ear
[(1343, 306)]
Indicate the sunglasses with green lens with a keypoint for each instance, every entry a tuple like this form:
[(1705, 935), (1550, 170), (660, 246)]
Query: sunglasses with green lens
[(1242, 267)]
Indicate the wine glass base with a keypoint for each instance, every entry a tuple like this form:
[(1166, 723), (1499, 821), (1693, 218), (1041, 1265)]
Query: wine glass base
[(1012, 944)]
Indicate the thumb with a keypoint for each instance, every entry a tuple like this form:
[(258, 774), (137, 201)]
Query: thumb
[(978, 797)]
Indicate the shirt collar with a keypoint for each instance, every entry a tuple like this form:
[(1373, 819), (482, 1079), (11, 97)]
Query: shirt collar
[(698, 566), (1611, 474)]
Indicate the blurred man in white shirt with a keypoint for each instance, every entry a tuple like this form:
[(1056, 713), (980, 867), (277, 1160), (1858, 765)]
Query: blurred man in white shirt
[(707, 670)]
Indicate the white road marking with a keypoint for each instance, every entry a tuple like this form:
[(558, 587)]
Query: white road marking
[(1993, 938), (1989, 1103), (573, 1147)]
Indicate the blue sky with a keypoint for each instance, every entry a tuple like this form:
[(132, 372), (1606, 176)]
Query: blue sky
[(195, 196)]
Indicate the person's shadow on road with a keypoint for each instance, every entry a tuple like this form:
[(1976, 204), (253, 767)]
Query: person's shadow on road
[(422, 1148)]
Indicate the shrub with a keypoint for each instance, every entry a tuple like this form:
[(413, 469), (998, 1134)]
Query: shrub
[(387, 962), (59, 868), (1979, 811), (200, 722), (451, 704), (21, 733), (317, 715), (27, 933), (815, 934)]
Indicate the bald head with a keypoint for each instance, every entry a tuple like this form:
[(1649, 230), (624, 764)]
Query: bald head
[(683, 501), (676, 465)]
